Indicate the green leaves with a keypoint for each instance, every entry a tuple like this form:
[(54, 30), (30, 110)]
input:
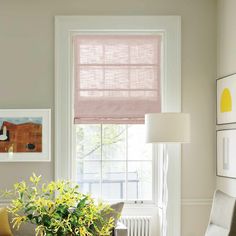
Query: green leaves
[(46, 220)]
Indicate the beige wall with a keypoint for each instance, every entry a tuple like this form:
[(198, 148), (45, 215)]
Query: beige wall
[(226, 62), (226, 35), (27, 80)]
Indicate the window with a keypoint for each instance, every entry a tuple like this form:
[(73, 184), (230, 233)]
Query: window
[(113, 162), (117, 81), (65, 29)]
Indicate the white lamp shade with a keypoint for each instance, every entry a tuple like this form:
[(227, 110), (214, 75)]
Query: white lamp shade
[(167, 128)]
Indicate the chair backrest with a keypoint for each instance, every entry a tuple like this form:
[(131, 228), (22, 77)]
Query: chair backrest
[(223, 216)]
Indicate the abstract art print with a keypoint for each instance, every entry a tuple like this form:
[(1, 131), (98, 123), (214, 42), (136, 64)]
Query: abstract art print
[(226, 149), (25, 135), (226, 100)]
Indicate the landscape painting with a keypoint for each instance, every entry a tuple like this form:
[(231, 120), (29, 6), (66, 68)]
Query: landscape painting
[(25, 135), (21, 134)]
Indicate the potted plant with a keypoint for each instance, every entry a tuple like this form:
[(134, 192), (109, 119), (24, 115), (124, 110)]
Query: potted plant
[(58, 208)]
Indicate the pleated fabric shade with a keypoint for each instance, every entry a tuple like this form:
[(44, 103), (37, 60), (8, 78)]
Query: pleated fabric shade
[(117, 78)]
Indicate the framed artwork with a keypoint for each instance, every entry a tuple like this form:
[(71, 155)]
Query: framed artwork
[(226, 100), (226, 149), (25, 135)]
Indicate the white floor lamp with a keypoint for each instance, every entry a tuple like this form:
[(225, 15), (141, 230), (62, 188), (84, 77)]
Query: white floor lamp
[(167, 128)]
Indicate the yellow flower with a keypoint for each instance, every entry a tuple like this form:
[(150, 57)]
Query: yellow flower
[(6, 193), (15, 206), (18, 220), (51, 187), (82, 231), (44, 188), (35, 179), (40, 230), (20, 187)]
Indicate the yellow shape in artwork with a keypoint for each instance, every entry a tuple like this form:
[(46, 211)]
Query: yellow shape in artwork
[(226, 101)]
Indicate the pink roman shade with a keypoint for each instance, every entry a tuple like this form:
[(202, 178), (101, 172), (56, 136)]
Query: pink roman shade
[(117, 78)]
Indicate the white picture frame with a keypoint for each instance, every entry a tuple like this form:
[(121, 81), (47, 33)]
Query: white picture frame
[(226, 95), (226, 149), (25, 135)]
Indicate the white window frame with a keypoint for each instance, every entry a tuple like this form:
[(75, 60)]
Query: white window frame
[(65, 27)]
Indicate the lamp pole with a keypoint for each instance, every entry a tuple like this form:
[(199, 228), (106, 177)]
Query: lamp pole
[(166, 128)]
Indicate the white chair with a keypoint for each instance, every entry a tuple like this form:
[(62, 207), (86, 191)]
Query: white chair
[(223, 216)]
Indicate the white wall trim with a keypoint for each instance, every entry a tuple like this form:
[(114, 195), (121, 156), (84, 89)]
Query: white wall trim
[(171, 26), (5, 201), (184, 202), (196, 201)]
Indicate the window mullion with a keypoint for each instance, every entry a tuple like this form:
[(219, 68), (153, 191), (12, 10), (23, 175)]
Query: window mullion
[(126, 161), (101, 162), (129, 79)]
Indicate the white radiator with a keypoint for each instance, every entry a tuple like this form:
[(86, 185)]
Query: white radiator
[(137, 225)]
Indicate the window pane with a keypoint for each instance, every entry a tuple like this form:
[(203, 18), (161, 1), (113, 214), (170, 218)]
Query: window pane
[(90, 77), (137, 148), (142, 52), (143, 77), (116, 52), (139, 180), (88, 177), (114, 144), (90, 53), (88, 142), (113, 184), (116, 78)]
